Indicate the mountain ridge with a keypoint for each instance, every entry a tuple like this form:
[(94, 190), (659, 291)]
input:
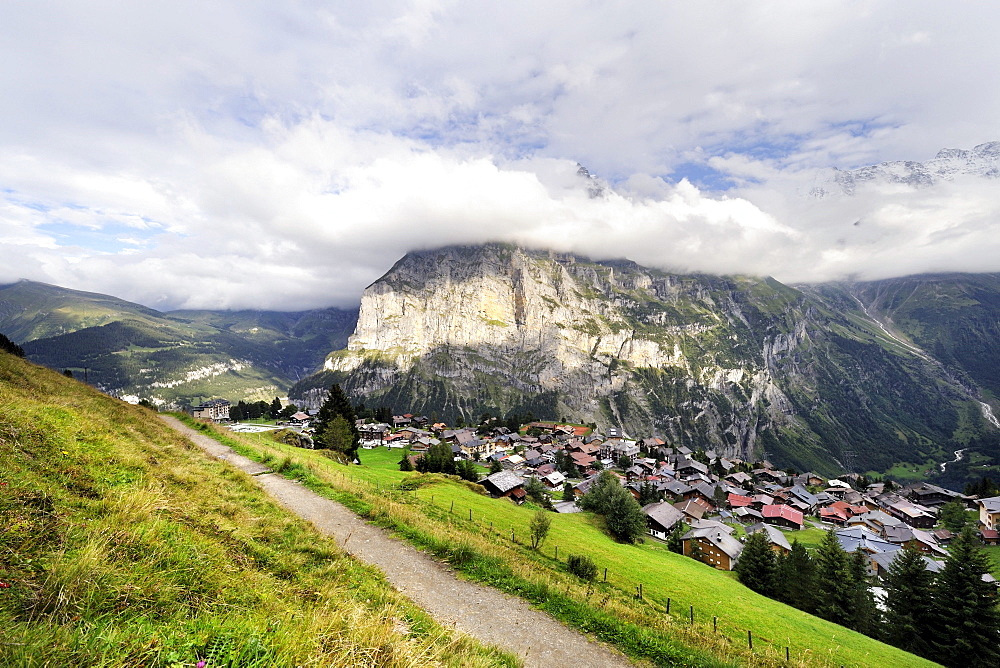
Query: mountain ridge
[(743, 365), (173, 358)]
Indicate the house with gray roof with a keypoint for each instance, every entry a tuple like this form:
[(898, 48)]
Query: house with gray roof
[(661, 518), (504, 483), (775, 536), (712, 546)]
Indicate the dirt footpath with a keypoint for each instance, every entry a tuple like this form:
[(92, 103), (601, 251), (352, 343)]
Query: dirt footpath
[(486, 614)]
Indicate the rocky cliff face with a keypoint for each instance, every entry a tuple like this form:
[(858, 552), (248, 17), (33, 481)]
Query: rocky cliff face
[(744, 365)]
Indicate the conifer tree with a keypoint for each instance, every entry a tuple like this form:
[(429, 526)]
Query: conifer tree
[(796, 578), (833, 581), (909, 600), (337, 405), (674, 540), (965, 608), (466, 470), (9, 346), (275, 407), (756, 567), (864, 613)]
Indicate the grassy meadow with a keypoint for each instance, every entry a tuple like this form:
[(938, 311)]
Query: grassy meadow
[(123, 545), (487, 540)]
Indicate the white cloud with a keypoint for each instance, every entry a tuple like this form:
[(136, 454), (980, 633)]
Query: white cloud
[(241, 154)]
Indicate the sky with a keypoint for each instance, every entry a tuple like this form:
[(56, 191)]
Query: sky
[(245, 154)]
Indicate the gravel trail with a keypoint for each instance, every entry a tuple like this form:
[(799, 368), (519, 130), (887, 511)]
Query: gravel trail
[(488, 615)]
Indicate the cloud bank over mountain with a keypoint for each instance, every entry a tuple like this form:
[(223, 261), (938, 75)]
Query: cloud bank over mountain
[(244, 155)]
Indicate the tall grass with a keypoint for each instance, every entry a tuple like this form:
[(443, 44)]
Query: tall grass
[(122, 545)]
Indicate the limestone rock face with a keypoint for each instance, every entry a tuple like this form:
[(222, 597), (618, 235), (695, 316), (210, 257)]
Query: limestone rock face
[(745, 366), (506, 301)]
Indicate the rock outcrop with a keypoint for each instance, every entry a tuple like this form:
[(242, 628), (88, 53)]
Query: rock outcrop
[(746, 366)]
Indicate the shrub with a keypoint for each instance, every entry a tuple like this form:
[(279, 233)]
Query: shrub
[(582, 566)]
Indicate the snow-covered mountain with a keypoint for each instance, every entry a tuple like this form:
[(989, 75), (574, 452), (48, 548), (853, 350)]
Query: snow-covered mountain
[(982, 161)]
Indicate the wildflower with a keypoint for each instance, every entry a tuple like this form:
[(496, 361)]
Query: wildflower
[(4, 585), (200, 664)]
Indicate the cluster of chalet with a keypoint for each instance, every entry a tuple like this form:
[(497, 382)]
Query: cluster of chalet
[(706, 499), (871, 519)]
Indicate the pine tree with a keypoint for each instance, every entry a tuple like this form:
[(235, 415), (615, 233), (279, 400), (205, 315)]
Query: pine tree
[(674, 540), (863, 611), (965, 608), (466, 470), (649, 494), (756, 567), (9, 346), (833, 581), (909, 600), (337, 405), (275, 408), (796, 578), (495, 466)]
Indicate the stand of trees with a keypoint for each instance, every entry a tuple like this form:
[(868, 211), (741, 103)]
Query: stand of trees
[(623, 515), (261, 409), (336, 424), (9, 346), (439, 459), (951, 617), (381, 414)]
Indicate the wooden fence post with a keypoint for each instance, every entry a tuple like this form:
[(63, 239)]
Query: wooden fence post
[(750, 638), (605, 575), (668, 606), (692, 614), (715, 624), (557, 553)]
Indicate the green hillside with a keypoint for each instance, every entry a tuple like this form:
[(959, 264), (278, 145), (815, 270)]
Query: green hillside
[(123, 545), (473, 532), (182, 357), (954, 317), (31, 310)]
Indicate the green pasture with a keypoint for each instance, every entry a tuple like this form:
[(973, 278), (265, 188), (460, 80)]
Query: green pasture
[(663, 575)]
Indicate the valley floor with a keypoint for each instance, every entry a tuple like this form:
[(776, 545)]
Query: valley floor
[(482, 612)]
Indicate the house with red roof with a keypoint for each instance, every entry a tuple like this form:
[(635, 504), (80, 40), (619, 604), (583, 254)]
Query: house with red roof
[(738, 500), (781, 515)]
